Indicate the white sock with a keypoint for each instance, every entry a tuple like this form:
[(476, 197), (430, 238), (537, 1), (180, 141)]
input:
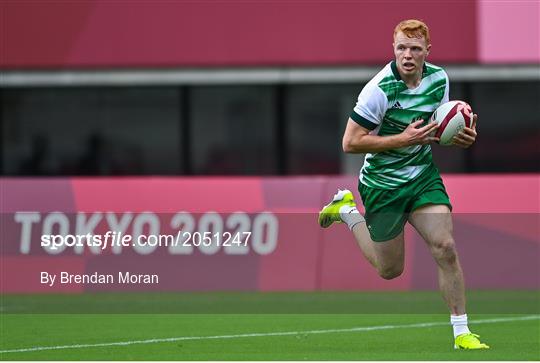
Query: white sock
[(351, 216), (459, 323)]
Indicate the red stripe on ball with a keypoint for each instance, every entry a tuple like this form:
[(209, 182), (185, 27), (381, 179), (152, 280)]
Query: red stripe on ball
[(446, 120)]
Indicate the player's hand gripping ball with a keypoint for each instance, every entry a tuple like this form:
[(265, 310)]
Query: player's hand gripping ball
[(452, 117)]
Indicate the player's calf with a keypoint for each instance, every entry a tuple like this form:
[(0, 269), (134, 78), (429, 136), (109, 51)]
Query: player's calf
[(390, 272)]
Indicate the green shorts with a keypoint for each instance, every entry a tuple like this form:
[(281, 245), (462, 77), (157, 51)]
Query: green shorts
[(387, 210)]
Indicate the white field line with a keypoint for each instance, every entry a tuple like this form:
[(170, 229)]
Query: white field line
[(252, 335)]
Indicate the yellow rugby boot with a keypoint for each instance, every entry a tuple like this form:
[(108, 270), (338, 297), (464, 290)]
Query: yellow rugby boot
[(469, 341), (330, 212)]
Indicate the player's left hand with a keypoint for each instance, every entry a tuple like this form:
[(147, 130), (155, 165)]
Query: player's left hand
[(467, 136)]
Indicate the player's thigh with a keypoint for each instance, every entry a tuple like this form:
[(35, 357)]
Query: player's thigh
[(391, 253), (433, 222)]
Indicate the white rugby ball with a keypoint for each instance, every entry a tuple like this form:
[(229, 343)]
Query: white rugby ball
[(452, 117)]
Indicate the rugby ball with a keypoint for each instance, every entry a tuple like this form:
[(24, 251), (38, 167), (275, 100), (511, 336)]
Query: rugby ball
[(452, 117)]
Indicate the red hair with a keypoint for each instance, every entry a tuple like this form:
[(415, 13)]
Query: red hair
[(413, 28)]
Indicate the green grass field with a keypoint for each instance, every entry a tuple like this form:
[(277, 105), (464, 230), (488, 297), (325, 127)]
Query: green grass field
[(331, 326)]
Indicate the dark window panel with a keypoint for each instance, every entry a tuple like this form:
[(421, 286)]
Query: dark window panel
[(508, 127), (92, 131), (316, 117), (232, 130)]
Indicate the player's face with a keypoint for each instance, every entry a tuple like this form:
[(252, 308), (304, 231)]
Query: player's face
[(410, 54)]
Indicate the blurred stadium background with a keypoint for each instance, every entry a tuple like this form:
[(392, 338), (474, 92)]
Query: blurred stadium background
[(158, 107)]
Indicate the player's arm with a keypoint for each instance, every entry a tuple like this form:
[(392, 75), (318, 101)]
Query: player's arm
[(357, 139)]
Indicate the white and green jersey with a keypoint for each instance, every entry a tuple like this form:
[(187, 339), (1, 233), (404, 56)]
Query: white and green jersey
[(386, 106)]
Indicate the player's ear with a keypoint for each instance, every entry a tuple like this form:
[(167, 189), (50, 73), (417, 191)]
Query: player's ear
[(428, 48)]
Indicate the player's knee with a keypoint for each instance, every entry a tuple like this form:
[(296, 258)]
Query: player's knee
[(444, 249), (390, 273)]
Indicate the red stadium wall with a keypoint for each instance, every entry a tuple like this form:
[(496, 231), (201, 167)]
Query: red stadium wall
[(66, 34), (74, 34), (496, 228)]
